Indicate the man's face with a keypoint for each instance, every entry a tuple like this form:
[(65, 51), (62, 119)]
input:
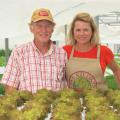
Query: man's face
[(42, 30)]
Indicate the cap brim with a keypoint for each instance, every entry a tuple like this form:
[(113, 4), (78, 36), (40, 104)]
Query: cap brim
[(43, 19)]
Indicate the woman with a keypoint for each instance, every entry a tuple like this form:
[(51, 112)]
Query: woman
[(87, 58)]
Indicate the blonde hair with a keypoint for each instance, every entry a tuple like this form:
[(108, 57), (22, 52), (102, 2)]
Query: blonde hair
[(86, 18)]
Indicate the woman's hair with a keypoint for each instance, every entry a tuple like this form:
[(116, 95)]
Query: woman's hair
[(86, 18)]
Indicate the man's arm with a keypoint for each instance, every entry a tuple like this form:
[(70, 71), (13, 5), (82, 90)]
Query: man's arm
[(9, 89), (11, 75)]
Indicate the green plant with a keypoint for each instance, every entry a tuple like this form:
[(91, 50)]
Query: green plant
[(0, 76), (110, 80), (2, 61), (2, 90)]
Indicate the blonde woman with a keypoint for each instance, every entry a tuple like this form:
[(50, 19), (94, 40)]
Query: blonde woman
[(87, 58)]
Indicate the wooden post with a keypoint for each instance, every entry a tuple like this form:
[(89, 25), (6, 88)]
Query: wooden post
[(96, 18), (65, 33), (6, 50)]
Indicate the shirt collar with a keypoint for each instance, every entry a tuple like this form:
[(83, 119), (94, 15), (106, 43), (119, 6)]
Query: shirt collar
[(50, 51)]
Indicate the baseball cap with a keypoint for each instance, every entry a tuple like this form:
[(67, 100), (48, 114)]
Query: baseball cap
[(42, 14)]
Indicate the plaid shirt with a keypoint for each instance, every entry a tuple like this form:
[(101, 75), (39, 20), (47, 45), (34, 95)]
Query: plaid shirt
[(28, 69)]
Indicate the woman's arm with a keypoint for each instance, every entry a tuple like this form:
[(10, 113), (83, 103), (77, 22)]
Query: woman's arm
[(116, 70)]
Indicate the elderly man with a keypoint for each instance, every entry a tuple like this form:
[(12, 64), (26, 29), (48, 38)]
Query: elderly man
[(37, 64)]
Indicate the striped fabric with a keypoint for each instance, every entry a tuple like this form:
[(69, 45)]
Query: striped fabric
[(28, 69)]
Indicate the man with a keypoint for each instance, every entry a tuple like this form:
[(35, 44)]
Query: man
[(38, 64)]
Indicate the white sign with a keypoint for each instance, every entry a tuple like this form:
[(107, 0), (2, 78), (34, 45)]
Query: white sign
[(2, 69)]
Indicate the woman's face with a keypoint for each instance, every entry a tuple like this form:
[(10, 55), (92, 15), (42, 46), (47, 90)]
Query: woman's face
[(82, 32)]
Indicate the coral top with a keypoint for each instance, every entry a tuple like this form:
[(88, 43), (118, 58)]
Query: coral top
[(106, 55)]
